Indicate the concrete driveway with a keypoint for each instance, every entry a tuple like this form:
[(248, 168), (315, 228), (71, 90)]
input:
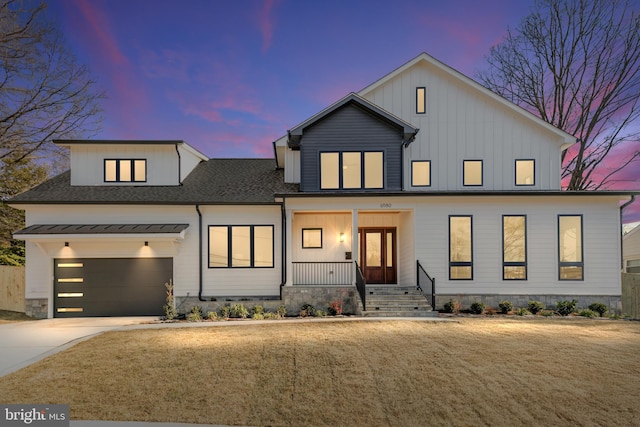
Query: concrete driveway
[(23, 343)]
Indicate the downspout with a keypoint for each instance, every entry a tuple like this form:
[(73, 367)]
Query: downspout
[(199, 253), (284, 246), (633, 198), (179, 166)]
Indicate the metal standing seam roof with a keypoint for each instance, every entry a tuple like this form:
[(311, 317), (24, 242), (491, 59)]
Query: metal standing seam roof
[(41, 229)]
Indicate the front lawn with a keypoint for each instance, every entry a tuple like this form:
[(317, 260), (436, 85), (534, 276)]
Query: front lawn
[(473, 371)]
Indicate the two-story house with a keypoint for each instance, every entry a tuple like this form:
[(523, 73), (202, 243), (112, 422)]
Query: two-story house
[(422, 175)]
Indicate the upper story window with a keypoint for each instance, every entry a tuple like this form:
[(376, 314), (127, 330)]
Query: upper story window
[(472, 173), (421, 100), (125, 170), (525, 172), (421, 173), (351, 170)]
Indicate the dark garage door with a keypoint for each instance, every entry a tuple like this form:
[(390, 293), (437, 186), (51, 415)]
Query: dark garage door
[(110, 287)]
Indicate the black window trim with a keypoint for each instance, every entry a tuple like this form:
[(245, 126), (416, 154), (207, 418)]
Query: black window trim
[(461, 263), (424, 97), (524, 263), (362, 170), (420, 161), (321, 238), (481, 173), (133, 169), (251, 245), (571, 264), (515, 174)]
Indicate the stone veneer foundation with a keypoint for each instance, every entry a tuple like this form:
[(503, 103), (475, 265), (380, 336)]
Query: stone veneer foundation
[(37, 308)]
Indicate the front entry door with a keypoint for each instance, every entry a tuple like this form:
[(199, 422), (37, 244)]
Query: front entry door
[(378, 255)]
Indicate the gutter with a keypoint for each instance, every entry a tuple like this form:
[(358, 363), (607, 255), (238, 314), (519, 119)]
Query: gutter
[(633, 199), (199, 253)]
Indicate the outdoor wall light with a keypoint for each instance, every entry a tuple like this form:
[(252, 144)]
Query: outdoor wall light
[(146, 243), (342, 237), (66, 244)]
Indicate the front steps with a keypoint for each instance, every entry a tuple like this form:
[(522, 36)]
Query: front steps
[(396, 301)]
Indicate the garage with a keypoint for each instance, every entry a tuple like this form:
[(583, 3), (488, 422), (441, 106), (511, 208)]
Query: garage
[(93, 287)]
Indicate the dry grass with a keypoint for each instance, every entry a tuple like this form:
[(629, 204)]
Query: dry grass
[(381, 373)]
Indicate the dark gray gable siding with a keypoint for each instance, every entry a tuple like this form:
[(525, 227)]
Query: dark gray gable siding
[(351, 129)]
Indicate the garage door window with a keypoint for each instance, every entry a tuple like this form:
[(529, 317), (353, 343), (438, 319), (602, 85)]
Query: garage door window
[(241, 246)]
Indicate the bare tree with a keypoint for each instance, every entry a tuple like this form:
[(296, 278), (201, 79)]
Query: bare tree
[(576, 64), (44, 93)]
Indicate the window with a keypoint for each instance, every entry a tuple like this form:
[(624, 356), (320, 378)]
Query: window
[(421, 100), (460, 248), (351, 169), (421, 173), (633, 266), (125, 170), (514, 247), (525, 172), (472, 172), (570, 262), (312, 238), (240, 246)]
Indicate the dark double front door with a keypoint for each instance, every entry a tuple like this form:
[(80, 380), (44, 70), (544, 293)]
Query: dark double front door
[(378, 255)]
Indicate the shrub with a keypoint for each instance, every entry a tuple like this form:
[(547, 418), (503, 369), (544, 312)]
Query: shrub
[(320, 313), (477, 308), (599, 308), (239, 311), (257, 309), (587, 313), (212, 315), (535, 307), (307, 310), (335, 308), (523, 312), (451, 306), (270, 315), (505, 306), (169, 308), (225, 311), (257, 316), (281, 311), (565, 308), (195, 315), (547, 313)]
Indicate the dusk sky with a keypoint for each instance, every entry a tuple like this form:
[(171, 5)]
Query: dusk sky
[(230, 77)]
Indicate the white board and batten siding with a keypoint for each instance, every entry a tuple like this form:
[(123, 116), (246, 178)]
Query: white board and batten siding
[(462, 123), (241, 282)]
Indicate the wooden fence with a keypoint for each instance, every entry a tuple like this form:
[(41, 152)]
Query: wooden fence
[(12, 288), (631, 295)]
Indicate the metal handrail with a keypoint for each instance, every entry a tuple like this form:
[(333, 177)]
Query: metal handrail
[(361, 284), (419, 268)]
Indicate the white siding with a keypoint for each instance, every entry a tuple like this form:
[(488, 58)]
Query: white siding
[(461, 123), (332, 224), (188, 160), (87, 162), (631, 245), (242, 282), (292, 166)]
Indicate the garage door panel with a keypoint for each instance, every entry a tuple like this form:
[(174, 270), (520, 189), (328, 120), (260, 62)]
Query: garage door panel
[(111, 287)]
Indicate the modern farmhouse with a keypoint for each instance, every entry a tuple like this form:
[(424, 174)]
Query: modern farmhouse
[(423, 186)]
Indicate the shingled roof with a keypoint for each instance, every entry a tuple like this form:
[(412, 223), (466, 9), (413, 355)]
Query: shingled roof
[(216, 181)]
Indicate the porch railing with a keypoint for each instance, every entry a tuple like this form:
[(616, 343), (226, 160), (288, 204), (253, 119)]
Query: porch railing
[(361, 284), (322, 273), (422, 273)]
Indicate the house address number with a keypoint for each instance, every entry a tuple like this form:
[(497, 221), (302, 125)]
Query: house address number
[(385, 205)]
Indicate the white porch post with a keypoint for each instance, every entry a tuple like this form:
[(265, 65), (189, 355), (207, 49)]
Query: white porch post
[(289, 249), (354, 243)]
